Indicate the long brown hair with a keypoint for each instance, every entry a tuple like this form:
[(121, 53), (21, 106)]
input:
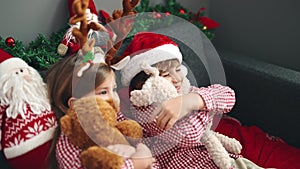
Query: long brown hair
[(62, 82)]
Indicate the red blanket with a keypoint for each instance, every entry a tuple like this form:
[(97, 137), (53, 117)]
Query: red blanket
[(259, 147)]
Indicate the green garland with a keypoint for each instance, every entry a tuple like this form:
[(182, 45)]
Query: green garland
[(173, 8), (42, 52)]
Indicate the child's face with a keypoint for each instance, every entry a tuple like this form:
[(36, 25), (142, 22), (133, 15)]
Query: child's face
[(108, 89), (174, 75)]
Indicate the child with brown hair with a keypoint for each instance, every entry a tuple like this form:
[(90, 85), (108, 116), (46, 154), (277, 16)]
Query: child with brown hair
[(89, 73), (174, 128), (65, 86)]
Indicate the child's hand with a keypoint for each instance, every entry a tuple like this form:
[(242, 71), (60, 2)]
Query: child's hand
[(174, 109), (142, 158), (122, 150), (142, 151), (167, 113)]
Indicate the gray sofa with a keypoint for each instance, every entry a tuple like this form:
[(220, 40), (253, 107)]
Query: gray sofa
[(268, 95)]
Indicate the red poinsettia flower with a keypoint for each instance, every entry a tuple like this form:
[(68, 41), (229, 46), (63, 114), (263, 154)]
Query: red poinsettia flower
[(209, 23)]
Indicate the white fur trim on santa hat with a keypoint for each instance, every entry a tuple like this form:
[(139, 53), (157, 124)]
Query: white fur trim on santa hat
[(11, 64), (153, 56), (29, 145)]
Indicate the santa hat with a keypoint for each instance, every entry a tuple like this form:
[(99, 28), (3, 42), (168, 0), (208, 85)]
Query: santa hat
[(91, 8), (9, 63), (149, 48), (4, 55)]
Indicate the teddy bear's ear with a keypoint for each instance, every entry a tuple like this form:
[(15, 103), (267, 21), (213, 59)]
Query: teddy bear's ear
[(141, 98), (65, 125)]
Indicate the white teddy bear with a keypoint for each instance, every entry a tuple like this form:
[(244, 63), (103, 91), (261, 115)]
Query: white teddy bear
[(157, 90)]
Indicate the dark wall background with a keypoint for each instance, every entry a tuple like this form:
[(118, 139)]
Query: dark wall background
[(266, 30), (259, 44)]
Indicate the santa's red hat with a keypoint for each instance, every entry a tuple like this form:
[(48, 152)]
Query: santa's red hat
[(149, 48), (9, 63), (4, 55)]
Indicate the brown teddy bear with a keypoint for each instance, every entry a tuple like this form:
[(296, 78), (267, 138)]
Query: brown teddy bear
[(91, 124)]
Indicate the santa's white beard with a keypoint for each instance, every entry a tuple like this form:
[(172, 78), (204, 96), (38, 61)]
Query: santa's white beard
[(18, 93)]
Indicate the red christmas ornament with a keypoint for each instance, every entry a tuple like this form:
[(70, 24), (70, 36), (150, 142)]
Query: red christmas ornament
[(10, 42), (181, 11), (209, 23), (168, 13)]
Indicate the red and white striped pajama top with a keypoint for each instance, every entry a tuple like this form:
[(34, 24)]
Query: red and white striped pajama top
[(179, 147)]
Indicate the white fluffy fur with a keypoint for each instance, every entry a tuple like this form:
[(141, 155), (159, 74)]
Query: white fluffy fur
[(155, 90), (16, 93)]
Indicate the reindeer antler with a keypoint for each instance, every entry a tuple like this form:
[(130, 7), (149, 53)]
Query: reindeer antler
[(129, 6), (79, 7), (121, 27)]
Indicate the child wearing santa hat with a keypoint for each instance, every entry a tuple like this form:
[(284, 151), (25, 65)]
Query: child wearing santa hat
[(173, 129), (27, 123)]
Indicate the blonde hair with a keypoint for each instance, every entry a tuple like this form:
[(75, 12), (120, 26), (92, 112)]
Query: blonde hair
[(165, 65)]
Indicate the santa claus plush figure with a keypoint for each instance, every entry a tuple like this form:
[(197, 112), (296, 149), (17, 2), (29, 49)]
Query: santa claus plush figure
[(27, 123)]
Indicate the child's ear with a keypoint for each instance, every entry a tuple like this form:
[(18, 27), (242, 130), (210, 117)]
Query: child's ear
[(184, 70), (71, 101)]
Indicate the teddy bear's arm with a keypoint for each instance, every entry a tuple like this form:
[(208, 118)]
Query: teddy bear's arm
[(130, 128), (65, 125), (90, 158)]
